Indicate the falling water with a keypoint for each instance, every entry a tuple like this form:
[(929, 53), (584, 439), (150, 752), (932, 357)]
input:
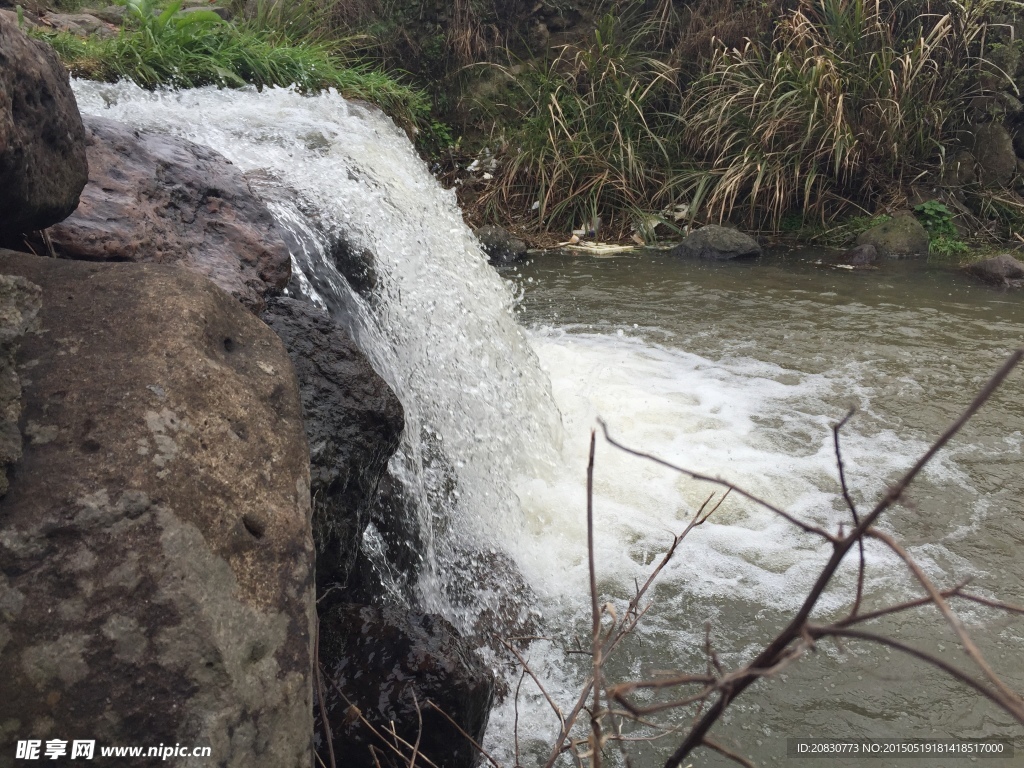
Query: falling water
[(438, 324)]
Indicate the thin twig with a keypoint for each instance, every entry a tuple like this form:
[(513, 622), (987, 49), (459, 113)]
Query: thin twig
[(728, 753), (949, 669), (595, 612), (954, 622), (320, 692), (469, 738), (853, 510)]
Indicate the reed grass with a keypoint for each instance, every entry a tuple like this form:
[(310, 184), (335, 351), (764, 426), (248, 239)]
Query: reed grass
[(594, 135), (850, 102)]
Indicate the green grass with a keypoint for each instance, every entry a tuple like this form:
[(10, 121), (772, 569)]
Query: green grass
[(177, 50)]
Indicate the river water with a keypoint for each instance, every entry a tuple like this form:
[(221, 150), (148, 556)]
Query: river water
[(737, 370)]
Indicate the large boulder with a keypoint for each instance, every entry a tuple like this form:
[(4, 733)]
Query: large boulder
[(42, 142), (19, 305), (1003, 270), (992, 146), (354, 422), (387, 668), (717, 244), (156, 562), (902, 236), (158, 199)]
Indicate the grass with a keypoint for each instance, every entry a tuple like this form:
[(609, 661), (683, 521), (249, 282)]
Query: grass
[(829, 108), (593, 136), (850, 102), (178, 50)]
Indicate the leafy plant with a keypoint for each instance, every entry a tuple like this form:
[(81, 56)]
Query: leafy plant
[(936, 218)]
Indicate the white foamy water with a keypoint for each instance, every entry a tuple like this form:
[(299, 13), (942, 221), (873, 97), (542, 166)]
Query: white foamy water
[(513, 409)]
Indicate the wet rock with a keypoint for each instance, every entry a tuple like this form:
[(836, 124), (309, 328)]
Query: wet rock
[(19, 305), (80, 24), (717, 244), (992, 147), (357, 265), (902, 236), (500, 245), (859, 256), (158, 199), (1003, 270), (43, 165), (353, 421), (156, 563), (394, 666)]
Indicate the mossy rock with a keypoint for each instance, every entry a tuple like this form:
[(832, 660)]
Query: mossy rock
[(900, 237)]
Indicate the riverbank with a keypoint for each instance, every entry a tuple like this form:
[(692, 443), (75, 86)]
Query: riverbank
[(550, 118)]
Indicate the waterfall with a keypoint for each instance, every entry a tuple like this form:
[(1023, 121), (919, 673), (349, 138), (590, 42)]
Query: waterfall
[(348, 189)]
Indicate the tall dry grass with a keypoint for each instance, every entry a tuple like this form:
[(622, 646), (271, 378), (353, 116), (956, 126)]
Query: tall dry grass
[(851, 100)]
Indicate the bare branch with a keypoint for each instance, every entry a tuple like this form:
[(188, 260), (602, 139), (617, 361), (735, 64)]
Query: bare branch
[(728, 753), (459, 728), (969, 647), (935, 661)]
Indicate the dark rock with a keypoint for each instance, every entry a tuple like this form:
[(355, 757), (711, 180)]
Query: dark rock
[(43, 165), (902, 236), (992, 147), (860, 256), (353, 422), (159, 199), (390, 575), (80, 24), (500, 246), (156, 563), (389, 663), (718, 244), (959, 171), (112, 14), (357, 265), (19, 305), (1003, 270)]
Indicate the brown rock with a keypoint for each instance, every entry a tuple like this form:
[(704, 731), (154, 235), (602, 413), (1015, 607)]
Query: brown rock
[(156, 562), (155, 198), (42, 142), (80, 24), (1002, 270), (19, 305)]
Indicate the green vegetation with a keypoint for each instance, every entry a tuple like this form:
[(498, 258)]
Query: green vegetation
[(943, 237), (168, 47), (803, 117)]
